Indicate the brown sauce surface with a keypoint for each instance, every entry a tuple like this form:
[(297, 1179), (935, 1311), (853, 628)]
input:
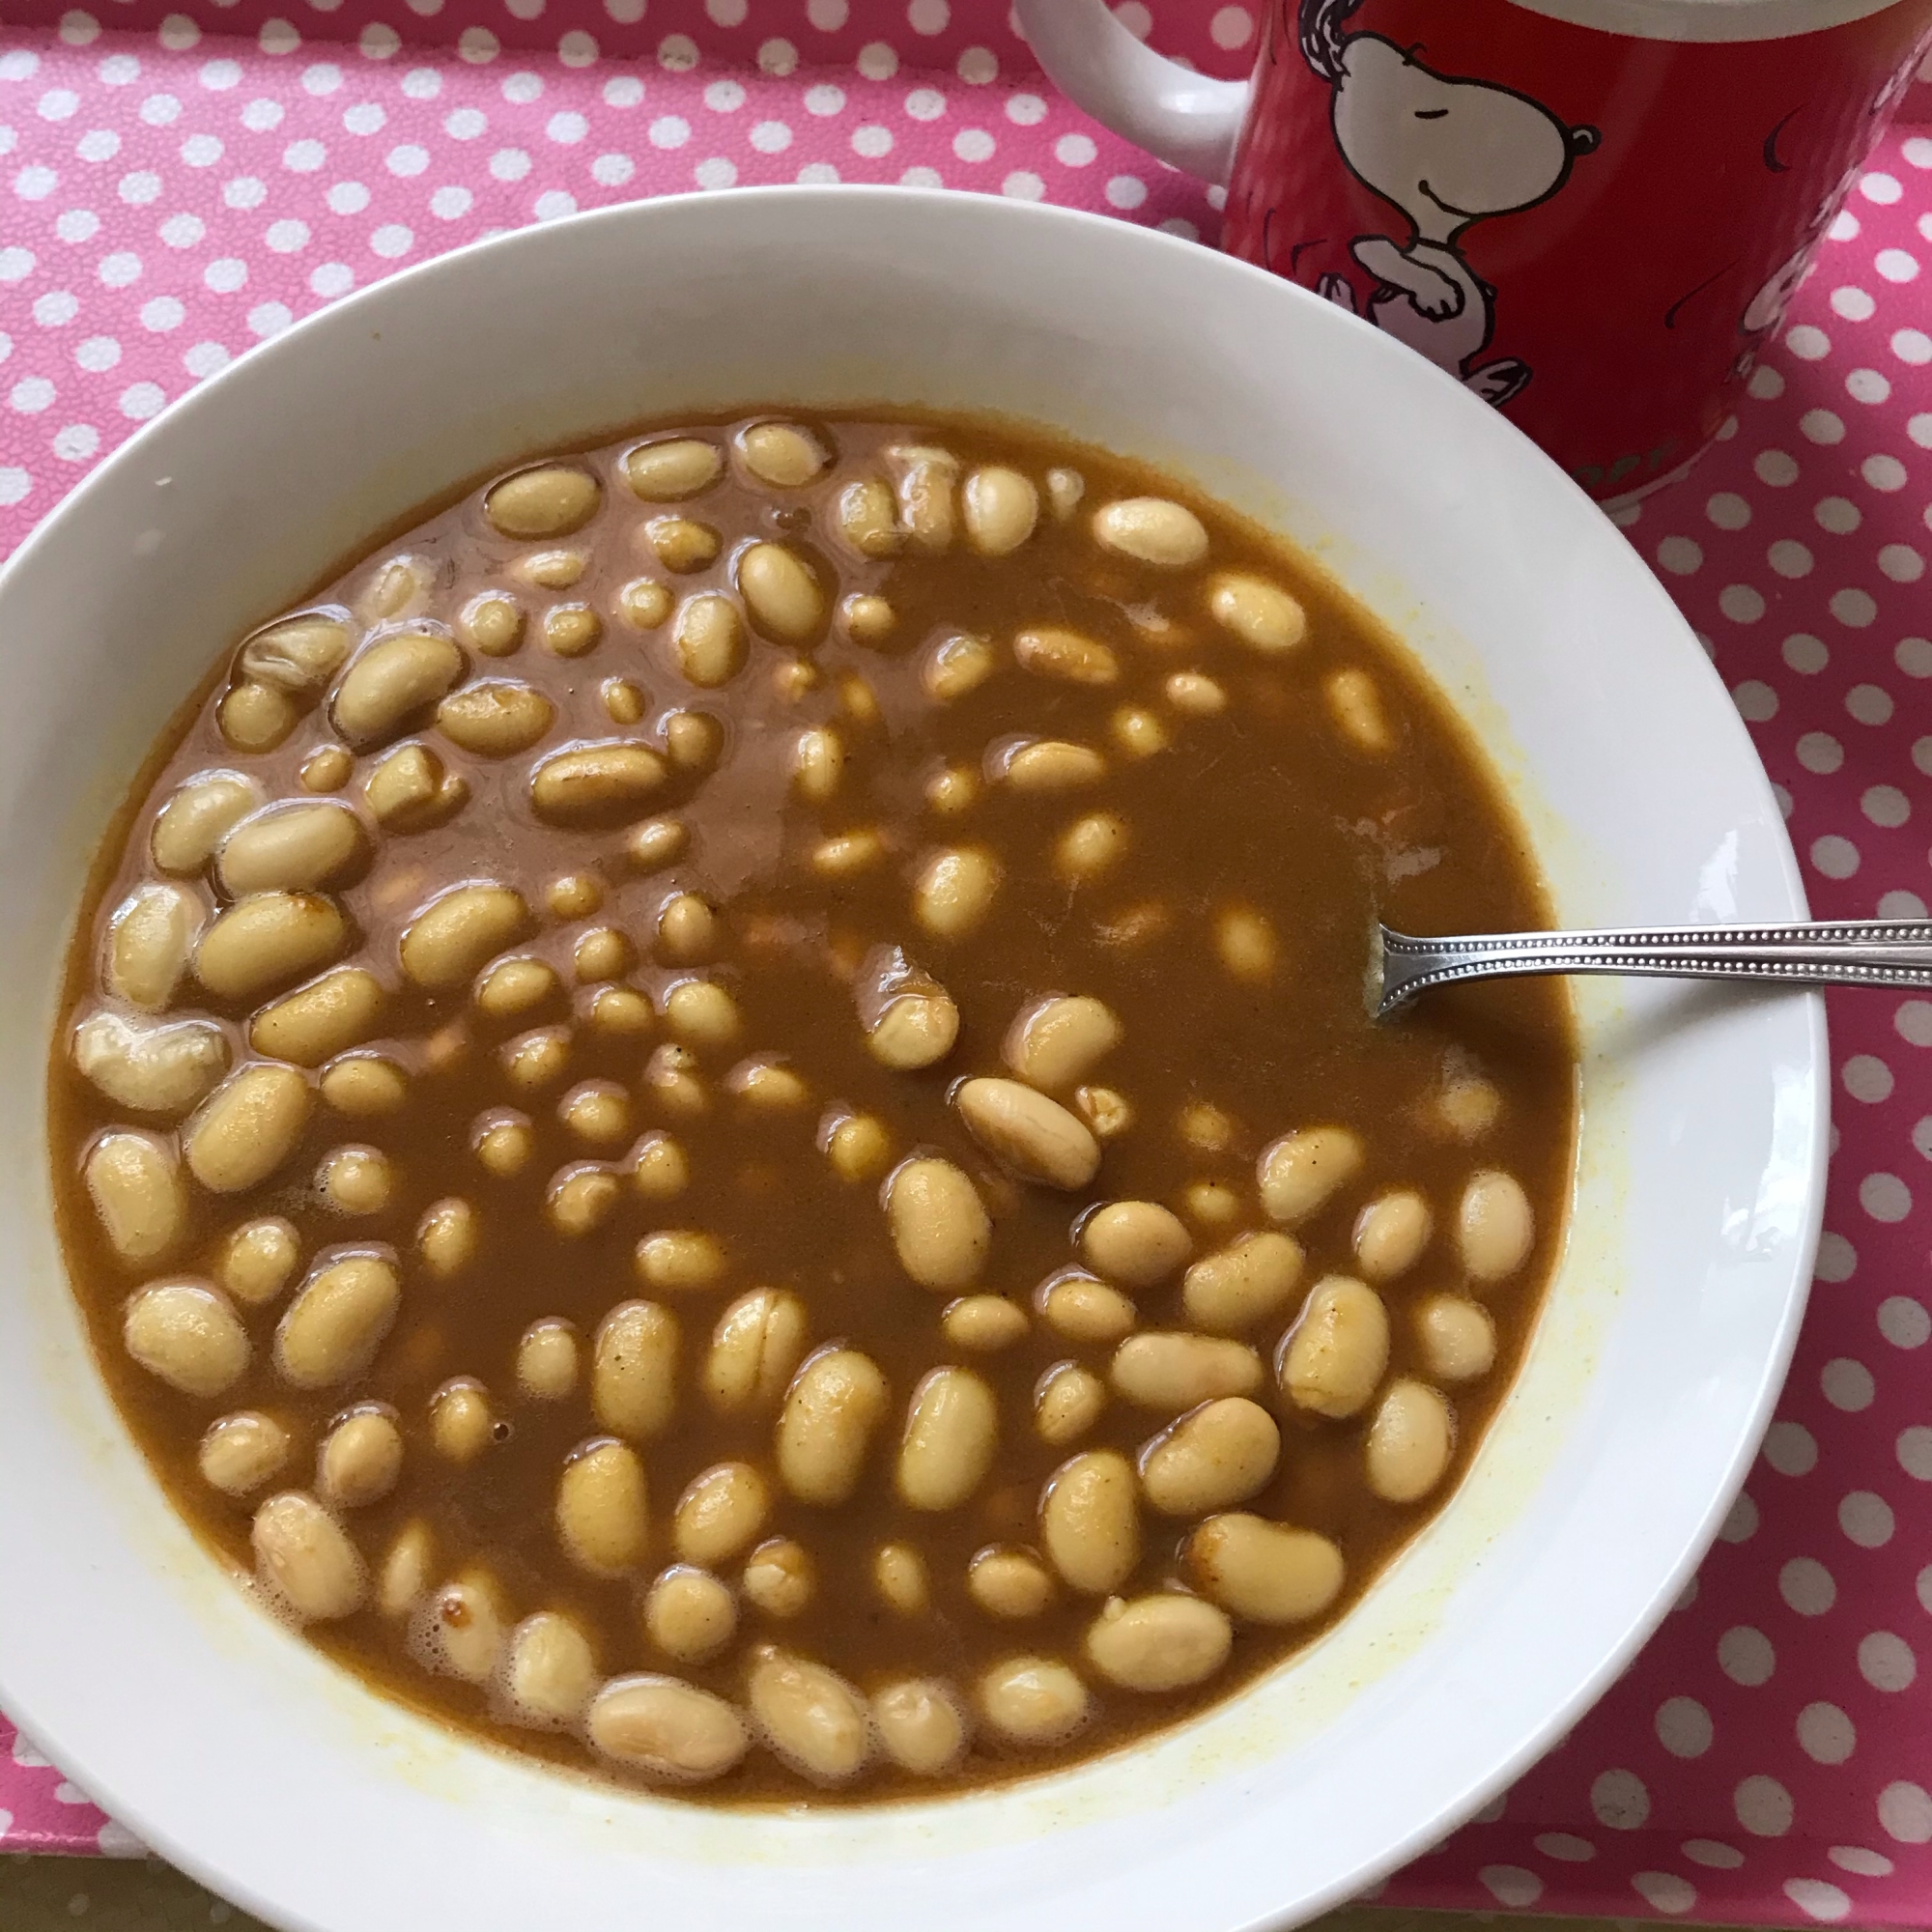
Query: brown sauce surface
[(1268, 806)]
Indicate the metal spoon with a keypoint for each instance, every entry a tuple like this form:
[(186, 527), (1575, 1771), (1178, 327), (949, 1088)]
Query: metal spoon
[(1837, 952)]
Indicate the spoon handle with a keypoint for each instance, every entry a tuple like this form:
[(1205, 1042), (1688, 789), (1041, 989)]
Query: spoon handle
[(1840, 952)]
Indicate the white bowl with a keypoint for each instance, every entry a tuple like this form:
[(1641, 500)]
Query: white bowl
[(243, 1755)]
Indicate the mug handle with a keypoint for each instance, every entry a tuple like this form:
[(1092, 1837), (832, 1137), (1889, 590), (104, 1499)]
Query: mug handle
[(1178, 115)]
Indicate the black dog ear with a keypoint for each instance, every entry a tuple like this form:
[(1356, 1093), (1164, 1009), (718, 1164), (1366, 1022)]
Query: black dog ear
[(1584, 140)]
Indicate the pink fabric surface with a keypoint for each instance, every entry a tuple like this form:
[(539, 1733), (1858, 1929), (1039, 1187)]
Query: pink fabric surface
[(175, 186)]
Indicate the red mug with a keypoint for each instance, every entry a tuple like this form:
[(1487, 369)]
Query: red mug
[(1592, 213)]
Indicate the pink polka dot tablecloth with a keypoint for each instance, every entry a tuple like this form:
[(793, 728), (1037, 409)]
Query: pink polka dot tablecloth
[(177, 186)]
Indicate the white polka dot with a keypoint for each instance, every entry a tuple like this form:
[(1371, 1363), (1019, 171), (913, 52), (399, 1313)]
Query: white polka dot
[(178, 32), (78, 29), (422, 83), (14, 484), (225, 276), (1901, 904), (1857, 1858), (1791, 1449), (976, 66), (1684, 1727), (1786, 803), (623, 89), (1913, 1021), (1905, 1812), (1883, 472), (678, 53), (205, 358), (826, 15), (56, 308), (563, 128), (1919, 152), (162, 313), (1023, 186), (1074, 150), (1807, 1586), (1821, 426), (1836, 857), (1883, 188), (1566, 1847), (285, 237), (1838, 514), (1818, 1899), (261, 117), (669, 131), (1127, 191), (391, 240), (509, 165), (771, 137), (613, 170), (877, 61), (1904, 1322), (1919, 429), (1665, 1891), (331, 279), (1179, 224), (973, 143), (1810, 344), (142, 401), (724, 97), (32, 395), (727, 12), (139, 188), (1766, 383), (1511, 1885), (1756, 701), (1620, 1800), (1912, 346), (1774, 467), (1727, 510), (1712, 1854), (1866, 1520), (1763, 1807), (267, 319), (1680, 555), (1913, 1449), (1896, 265), (1837, 1259), (407, 161), (244, 191), (98, 353), (871, 142), (18, 64), (925, 103), (1847, 1386), (1826, 1734), (98, 144), (365, 118), (1885, 1197), (1886, 1661), (1901, 563), (1232, 27), (1853, 608), (929, 16), (920, 178), (1867, 385), (1852, 303), (1789, 557), (450, 204), (76, 443), (1740, 604), (715, 173), (1886, 806), (818, 173), (824, 99), (777, 57), (552, 204), (1739, 1523)]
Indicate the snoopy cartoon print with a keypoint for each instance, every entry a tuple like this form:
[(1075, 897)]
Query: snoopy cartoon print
[(1448, 151)]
